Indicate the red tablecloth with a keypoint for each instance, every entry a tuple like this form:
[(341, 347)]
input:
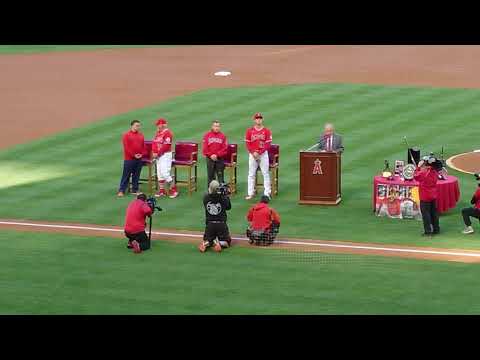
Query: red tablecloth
[(448, 191)]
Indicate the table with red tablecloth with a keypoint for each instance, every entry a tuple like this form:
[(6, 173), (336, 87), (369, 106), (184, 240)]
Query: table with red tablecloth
[(448, 191)]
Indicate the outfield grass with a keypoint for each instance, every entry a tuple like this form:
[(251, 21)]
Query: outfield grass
[(60, 274), (29, 49), (74, 176)]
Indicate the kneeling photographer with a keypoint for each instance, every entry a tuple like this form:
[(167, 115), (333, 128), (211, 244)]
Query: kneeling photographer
[(473, 211), (137, 212), (264, 223), (216, 203)]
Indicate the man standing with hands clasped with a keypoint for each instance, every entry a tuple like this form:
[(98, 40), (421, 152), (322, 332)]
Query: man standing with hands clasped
[(214, 149), (330, 140), (258, 140), (133, 143)]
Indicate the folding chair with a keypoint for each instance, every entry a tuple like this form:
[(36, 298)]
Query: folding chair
[(185, 157), (231, 167), (273, 159)]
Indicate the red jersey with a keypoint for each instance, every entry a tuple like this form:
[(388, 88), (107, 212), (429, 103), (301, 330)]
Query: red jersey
[(162, 142), (214, 144), (261, 216), (258, 140), (137, 212), (476, 199), (133, 143), (427, 186)]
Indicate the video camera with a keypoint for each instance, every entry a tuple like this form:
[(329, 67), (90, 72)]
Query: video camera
[(224, 189), (152, 202), (431, 160)]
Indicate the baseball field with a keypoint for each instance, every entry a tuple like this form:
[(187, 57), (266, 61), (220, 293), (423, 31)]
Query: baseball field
[(65, 109)]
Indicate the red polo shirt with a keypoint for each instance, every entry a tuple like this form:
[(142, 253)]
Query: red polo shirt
[(133, 143), (137, 212), (427, 179)]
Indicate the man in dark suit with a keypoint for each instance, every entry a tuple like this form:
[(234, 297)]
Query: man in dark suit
[(330, 141)]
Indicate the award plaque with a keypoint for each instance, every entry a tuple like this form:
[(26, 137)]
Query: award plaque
[(399, 164), (408, 171)]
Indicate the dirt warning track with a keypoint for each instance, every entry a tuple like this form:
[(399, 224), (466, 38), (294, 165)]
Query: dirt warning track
[(325, 246)]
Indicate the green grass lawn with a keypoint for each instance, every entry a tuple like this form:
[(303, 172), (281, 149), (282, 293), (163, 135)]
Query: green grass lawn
[(29, 49), (74, 176), (60, 274)]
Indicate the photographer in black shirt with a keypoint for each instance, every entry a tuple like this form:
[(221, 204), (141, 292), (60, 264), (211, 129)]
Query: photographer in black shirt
[(216, 203)]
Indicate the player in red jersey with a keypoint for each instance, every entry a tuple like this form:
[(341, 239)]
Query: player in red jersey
[(162, 152), (258, 140)]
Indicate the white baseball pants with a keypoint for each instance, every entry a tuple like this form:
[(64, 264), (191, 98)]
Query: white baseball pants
[(164, 167), (252, 169)]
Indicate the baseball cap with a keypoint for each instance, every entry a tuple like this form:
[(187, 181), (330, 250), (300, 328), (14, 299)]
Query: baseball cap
[(257, 116), (161, 122)]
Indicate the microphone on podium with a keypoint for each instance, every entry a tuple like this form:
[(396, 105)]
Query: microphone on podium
[(311, 147)]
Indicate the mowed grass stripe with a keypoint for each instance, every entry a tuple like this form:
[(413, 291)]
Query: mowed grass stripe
[(59, 274), (372, 119)]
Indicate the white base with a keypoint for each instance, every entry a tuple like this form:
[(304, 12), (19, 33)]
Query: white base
[(223, 73)]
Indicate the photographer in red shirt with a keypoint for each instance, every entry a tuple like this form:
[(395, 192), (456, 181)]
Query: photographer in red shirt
[(474, 211), (264, 223), (137, 212), (427, 177)]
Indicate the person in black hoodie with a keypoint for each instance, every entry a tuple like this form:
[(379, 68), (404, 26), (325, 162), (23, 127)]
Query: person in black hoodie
[(216, 229)]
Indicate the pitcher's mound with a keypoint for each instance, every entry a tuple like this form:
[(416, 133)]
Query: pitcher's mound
[(468, 162)]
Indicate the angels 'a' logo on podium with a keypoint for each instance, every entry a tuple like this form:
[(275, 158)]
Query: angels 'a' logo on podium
[(317, 167)]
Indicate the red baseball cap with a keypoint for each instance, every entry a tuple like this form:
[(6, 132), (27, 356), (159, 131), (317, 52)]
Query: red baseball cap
[(258, 116), (161, 122)]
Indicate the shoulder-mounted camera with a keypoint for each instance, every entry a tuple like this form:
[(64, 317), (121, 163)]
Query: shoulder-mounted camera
[(224, 189), (152, 202)]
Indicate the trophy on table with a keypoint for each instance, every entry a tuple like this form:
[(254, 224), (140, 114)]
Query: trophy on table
[(387, 173)]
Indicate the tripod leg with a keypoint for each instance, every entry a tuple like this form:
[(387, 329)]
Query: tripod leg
[(150, 230)]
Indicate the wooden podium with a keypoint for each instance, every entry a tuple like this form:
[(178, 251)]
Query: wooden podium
[(320, 178)]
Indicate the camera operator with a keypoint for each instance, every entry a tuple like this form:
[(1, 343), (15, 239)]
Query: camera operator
[(216, 203), (473, 211), (264, 223), (138, 210), (427, 176)]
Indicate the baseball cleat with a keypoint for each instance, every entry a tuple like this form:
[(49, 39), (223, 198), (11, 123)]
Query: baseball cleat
[(129, 245), (120, 194), (136, 247), (249, 197), (173, 193), (468, 230)]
